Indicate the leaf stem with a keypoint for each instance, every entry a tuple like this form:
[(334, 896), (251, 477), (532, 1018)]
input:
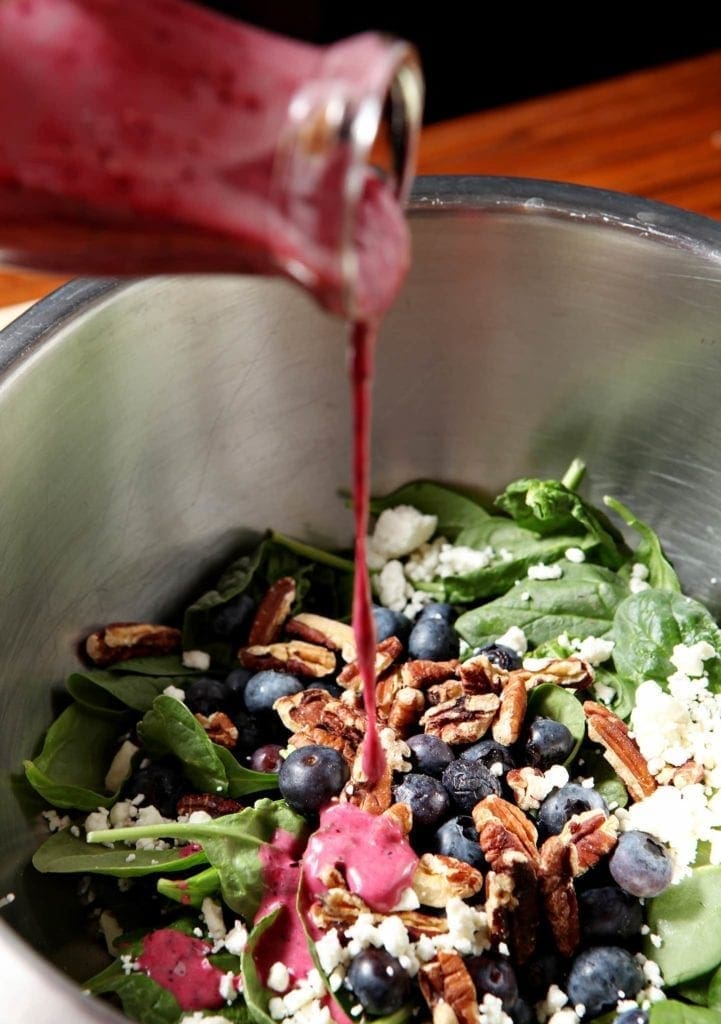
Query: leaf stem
[(574, 474), (312, 553), (170, 829)]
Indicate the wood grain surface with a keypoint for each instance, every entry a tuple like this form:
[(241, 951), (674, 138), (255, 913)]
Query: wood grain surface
[(655, 133)]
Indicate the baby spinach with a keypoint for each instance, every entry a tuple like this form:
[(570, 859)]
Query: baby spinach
[(256, 996), (242, 780), (648, 625), (649, 552), (190, 891), (154, 665), (170, 727), (593, 765), (581, 603), (687, 917), (112, 693), (624, 691), (143, 999), (670, 1011), (70, 769), (551, 701), (64, 853), (454, 509)]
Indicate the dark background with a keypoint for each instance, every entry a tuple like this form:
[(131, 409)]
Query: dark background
[(478, 56)]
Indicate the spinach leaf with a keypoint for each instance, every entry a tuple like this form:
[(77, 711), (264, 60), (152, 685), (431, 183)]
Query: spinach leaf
[(687, 917), (549, 507), (455, 510), (154, 665), (63, 853), (242, 780), (232, 845), (624, 691), (70, 769), (190, 891), (713, 996), (143, 999), (649, 552), (171, 727), (648, 625), (551, 701), (581, 603), (670, 1011), (606, 782), (110, 693), (256, 996), (696, 991)]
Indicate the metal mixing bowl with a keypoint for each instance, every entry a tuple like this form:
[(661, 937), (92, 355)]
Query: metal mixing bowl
[(149, 427)]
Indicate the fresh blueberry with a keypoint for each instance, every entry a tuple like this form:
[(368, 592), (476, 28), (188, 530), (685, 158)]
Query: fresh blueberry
[(234, 617), (253, 732), (640, 864), (598, 975), (500, 655), (562, 804), (390, 623), (438, 610), (542, 971), (266, 758), (429, 754), (235, 683), (633, 1016), (490, 753), (549, 742), (328, 685), (522, 1013), (495, 975), (161, 786), (458, 838), (264, 688), (468, 782), (378, 981), (433, 640), (426, 797), (310, 776), (609, 913), (204, 696)]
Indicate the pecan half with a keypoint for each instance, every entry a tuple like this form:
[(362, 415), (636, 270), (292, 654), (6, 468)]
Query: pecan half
[(463, 720), (402, 815), (438, 878), (272, 612), (559, 894), (389, 684), (214, 805), (479, 675), (421, 673), (372, 797), (407, 708), (336, 908), (523, 783), (294, 656), (122, 640), (418, 923), (319, 735), (302, 710), (494, 810), (441, 693), (508, 722), (512, 902), (317, 629), (570, 672), (220, 729), (592, 835), (620, 750), (458, 988), (387, 652), (689, 773)]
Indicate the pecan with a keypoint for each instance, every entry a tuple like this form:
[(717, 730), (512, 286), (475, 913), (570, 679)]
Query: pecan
[(479, 675), (220, 729), (521, 783), (438, 878), (213, 804), (458, 988), (494, 809), (421, 673), (419, 924), (512, 902), (346, 748), (509, 720), (430, 979), (402, 815), (294, 656), (387, 652), (441, 693), (302, 710), (689, 773), (317, 629), (372, 797), (122, 640), (620, 750), (463, 720), (336, 908), (592, 835), (272, 612), (407, 708), (386, 689), (558, 893), (570, 672)]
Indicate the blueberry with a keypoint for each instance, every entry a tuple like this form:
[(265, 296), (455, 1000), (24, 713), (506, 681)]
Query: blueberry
[(378, 981), (468, 782), (499, 654), (608, 913), (562, 804), (433, 640), (234, 617), (266, 758), (426, 797), (494, 974), (235, 683), (490, 753), (161, 785), (429, 754), (522, 1013), (204, 696), (458, 838), (633, 1016), (438, 610), (549, 742), (542, 971), (640, 864), (252, 732), (390, 623), (310, 776), (328, 685), (264, 688), (598, 975)]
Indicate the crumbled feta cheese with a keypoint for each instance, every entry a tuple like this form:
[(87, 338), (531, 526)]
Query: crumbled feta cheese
[(120, 766), (689, 660), (236, 939), (6, 900), (392, 587), (200, 1018), (538, 787), (175, 692), (331, 954), (576, 555), (199, 817), (278, 977), (128, 964), (55, 822), (228, 987), (639, 571), (514, 638), (212, 913), (150, 815), (525, 596), (196, 659), (491, 1010), (130, 858), (74, 831), (459, 561), (554, 1001), (123, 814), (400, 530), (565, 1016), (545, 572), (97, 821), (636, 585), (536, 664), (393, 936), (595, 650), (407, 901), (467, 928)]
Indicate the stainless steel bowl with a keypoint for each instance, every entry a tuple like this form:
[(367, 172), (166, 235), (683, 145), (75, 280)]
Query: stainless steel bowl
[(149, 427)]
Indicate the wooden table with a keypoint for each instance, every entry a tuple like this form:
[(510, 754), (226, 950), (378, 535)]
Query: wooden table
[(655, 133)]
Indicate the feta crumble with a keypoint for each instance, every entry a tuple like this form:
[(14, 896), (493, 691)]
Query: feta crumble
[(514, 638), (175, 692), (397, 532), (196, 659), (545, 572), (491, 1010), (575, 555)]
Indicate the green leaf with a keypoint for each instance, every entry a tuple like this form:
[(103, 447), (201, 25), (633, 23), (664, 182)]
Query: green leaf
[(670, 1011), (171, 728), (170, 665), (143, 999), (63, 853), (649, 552), (647, 627), (256, 996), (687, 917), (70, 769), (551, 701), (624, 691), (549, 507), (242, 780), (190, 891), (113, 693), (455, 510), (713, 996), (581, 603), (594, 765)]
